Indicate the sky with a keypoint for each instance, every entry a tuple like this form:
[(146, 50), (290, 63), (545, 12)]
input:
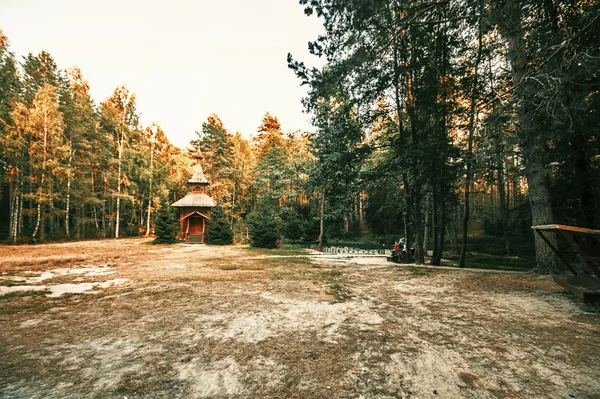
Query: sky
[(184, 59)]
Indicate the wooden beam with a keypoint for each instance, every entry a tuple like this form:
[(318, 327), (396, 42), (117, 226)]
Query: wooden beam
[(587, 261), (562, 227), (588, 280), (555, 250), (577, 289)]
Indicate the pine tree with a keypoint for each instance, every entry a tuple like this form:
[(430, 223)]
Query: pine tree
[(215, 142), (167, 225), (218, 232), (263, 228)]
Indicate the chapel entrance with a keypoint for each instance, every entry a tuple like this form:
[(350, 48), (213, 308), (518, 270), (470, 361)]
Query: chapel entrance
[(196, 225), (196, 229)]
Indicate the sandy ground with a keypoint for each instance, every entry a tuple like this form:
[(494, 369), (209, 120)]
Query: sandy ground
[(126, 319)]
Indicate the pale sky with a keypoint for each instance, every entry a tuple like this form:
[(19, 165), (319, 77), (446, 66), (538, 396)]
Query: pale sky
[(183, 59)]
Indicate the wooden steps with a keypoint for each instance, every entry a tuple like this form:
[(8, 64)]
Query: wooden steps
[(584, 286), (195, 239)]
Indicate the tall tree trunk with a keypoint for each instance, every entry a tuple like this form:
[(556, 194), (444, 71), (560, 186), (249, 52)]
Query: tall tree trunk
[(437, 256), (429, 210), (15, 200), (68, 205), (232, 207), (469, 155), (118, 215), (531, 141), (503, 207), (434, 222), (453, 236), (415, 193), (420, 231), (321, 223), (361, 219), (103, 219), (20, 212), (439, 224), (514, 181), (150, 188), (41, 187), (407, 229), (541, 207), (12, 201)]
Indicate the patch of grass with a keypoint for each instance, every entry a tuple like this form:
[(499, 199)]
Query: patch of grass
[(339, 292), (488, 252), (335, 281), (285, 249), (23, 294), (34, 264), (491, 262), (291, 261)]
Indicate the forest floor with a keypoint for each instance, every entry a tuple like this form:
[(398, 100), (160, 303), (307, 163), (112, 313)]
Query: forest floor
[(116, 319)]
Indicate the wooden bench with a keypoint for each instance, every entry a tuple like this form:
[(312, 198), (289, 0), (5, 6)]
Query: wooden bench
[(585, 245)]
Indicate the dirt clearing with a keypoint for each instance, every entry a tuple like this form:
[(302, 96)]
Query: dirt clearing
[(130, 319)]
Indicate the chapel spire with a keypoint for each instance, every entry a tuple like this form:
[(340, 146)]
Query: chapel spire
[(198, 177)]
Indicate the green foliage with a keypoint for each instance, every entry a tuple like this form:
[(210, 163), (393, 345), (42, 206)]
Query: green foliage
[(293, 225), (217, 148), (311, 232), (167, 225), (218, 231), (264, 228)]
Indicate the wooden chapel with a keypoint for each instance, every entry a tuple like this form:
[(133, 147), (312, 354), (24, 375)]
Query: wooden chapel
[(194, 208)]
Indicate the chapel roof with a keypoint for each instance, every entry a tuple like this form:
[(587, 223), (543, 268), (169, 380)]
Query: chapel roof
[(196, 200)]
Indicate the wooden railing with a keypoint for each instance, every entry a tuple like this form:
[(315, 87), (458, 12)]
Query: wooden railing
[(358, 251)]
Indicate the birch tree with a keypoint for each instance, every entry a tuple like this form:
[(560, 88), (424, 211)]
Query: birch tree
[(119, 118), (46, 129)]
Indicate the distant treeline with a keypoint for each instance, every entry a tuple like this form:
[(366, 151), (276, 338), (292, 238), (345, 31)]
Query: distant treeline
[(433, 121)]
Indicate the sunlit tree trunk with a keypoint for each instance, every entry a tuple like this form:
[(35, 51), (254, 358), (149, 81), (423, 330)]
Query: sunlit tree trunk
[(68, 199), (42, 179), (120, 166), (152, 139)]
